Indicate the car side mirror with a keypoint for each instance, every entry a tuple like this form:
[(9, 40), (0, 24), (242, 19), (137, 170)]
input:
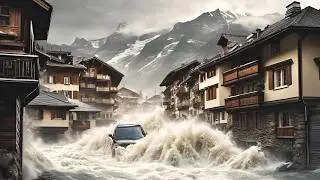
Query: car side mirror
[(111, 136)]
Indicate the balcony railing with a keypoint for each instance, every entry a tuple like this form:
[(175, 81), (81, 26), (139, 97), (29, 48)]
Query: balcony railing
[(183, 104), (285, 132), (89, 75), (241, 72), (244, 100), (14, 66), (103, 77), (103, 89)]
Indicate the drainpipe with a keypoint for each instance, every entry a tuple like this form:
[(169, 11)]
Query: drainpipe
[(306, 117)]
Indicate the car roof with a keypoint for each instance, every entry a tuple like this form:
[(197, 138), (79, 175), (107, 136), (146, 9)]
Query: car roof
[(127, 125)]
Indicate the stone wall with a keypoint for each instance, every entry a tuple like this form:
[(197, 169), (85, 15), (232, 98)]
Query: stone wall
[(283, 149)]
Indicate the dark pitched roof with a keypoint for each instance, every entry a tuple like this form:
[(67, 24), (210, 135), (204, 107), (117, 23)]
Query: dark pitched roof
[(125, 92), (51, 99), (83, 107), (116, 76), (308, 18), (75, 66), (177, 72)]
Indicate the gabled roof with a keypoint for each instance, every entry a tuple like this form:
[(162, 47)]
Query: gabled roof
[(128, 93), (176, 73), (74, 66), (307, 19), (51, 99), (116, 76)]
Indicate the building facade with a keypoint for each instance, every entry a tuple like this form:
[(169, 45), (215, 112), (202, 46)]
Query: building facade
[(59, 73), (270, 87), (19, 74), (177, 100), (51, 114), (128, 100), (99, 87)]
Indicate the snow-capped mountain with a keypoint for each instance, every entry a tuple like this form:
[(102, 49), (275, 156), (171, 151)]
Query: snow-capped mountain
[(146, 59)]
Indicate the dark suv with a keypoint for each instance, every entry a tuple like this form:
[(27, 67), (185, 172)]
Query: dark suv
[(126, 134)]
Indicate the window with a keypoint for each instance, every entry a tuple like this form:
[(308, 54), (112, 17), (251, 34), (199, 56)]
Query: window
[(211, 73), (51, 79), (4, 16), (202, 77), (284, 119), (243, 121), (58, 115), (223, 115), (82, 85), (280, 77), (92, 72), (211, 93), (68, 94), (91, 86), (66, 80)]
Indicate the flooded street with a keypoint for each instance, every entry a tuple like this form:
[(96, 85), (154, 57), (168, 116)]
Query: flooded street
[(171, 150)]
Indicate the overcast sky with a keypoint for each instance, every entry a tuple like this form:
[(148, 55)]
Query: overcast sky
[(93, 19)]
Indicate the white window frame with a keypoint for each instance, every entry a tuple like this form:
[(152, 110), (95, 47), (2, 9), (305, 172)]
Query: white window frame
[(282, 77), (66, 80), (51, 79)]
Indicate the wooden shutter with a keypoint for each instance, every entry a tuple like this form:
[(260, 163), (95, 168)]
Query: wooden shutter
[(271, 82), (288, 75), (214, 92)]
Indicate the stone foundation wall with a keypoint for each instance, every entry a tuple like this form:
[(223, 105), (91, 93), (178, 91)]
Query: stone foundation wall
[(284, 149)]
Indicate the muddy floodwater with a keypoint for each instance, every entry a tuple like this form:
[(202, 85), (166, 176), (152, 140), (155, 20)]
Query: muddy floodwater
[(186, 150)]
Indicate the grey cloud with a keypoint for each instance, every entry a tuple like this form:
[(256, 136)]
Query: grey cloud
[(98, 18)]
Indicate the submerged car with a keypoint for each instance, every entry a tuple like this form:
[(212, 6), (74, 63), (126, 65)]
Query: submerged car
[(126, 134)]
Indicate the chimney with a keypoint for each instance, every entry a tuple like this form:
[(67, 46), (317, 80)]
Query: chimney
[(223, 42), (293, 9), (258, 32)]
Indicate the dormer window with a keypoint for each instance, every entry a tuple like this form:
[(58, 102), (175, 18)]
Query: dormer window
[(4, 16)]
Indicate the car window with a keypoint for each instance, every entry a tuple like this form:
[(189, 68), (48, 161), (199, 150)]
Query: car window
[(128, 133)]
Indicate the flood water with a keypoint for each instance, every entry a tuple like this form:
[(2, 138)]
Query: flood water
[(171, 151)]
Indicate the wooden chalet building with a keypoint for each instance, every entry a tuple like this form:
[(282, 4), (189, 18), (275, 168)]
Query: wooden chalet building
[(128, 100), (51, 113), (21, 23), (99, 87), (272, 87), (59, 73), (177, 95)]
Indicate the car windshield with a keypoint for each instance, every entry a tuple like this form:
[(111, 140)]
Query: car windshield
[(128, 133)]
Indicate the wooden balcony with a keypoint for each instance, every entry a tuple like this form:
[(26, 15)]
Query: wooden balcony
[(102, 89), (242, 72), (244, 100), (19, 74), (285, 132)]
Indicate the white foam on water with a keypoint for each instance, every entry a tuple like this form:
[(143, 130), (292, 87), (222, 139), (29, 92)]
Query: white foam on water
[(171, 150)]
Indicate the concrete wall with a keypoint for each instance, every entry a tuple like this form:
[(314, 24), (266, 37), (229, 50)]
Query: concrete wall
[(48, 122), (288, 50), (310, 70)]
